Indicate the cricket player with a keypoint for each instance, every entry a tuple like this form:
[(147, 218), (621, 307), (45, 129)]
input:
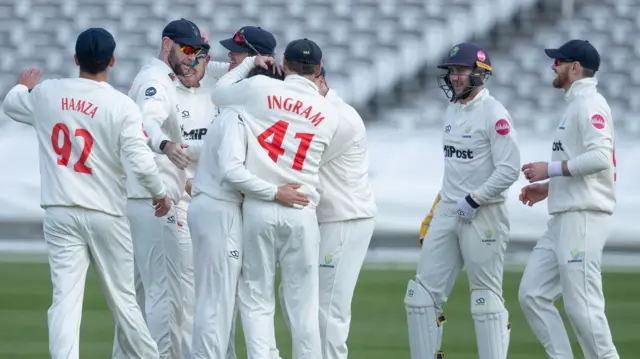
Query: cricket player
[(248, 41), (221, 183), (156, 240), (582, 173), (197, 112), (86, 131), (346, 216), (289, 126), (470, 226)]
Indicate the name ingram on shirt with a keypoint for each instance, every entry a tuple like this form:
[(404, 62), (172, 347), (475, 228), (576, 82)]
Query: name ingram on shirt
[(451, 151), (557, 146)]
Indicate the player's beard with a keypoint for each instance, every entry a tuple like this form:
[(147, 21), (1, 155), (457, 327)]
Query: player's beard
[(562, 78), (175, 63)]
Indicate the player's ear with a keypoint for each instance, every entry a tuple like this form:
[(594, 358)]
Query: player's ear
[(167, 43), (318, 70), (112, 61), (75, 58)]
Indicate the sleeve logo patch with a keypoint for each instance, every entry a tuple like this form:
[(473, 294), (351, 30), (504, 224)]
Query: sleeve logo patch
[(150, 91), (503, 127), (597, 121)]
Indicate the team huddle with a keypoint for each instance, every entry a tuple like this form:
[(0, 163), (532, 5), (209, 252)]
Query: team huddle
[(188, 193)]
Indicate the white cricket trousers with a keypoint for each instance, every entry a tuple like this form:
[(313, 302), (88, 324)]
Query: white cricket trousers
[(566, 262), (480, 246), (76, 237), (277, 234), (343, 248), (216, 233), (157, 260), (186, 277)]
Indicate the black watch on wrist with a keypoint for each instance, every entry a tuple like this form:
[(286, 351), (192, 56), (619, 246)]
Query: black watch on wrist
[(162, 144)]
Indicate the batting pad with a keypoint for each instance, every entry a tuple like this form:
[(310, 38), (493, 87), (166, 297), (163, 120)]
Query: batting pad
[(491, 323), (424, 323)]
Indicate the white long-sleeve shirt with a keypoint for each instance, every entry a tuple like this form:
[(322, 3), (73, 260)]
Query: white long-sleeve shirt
[(344, 179), (221, 172), (154, 90), (86, 130), (289, 124), (585, 139), (481, 154)]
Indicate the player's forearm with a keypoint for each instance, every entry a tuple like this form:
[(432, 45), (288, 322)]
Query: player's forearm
[(217, 69), (588, 163), (503, 177), (16, 104), (249, 184), (225, 93), (156, 136), (143, 166)]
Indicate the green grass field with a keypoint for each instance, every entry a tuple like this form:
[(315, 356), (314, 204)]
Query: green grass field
[(378, 328)]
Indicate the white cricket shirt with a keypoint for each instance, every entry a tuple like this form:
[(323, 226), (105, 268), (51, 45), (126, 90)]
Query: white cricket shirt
[(344, 179), (584, 138), (221, 173), (86, 130), (481, 154), (197, 113), (289, 125), (154, 90)]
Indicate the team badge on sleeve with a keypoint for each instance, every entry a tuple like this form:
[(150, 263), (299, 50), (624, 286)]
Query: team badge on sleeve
[(503, 127), (598, 121), (150, 91)]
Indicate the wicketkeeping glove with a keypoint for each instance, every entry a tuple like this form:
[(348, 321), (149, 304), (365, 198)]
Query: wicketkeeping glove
[(427, 220), (467, 208)]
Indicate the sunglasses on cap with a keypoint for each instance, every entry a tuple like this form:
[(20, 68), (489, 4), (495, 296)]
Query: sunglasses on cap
[(190, 50), (239, 39)]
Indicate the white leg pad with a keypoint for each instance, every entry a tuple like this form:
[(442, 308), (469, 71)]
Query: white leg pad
[(491, 324), (424, 323)]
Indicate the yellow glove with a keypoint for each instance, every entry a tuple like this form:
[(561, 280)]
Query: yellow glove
[(427, 220)]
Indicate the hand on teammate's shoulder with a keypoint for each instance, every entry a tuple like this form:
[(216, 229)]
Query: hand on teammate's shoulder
[(30, 77)]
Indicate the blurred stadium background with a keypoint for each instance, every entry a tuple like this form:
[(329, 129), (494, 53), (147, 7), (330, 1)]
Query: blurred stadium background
[(380, 55)]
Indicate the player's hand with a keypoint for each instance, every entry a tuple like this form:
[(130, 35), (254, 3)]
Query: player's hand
[(465, 211), (176, 154), (204, 36), (289, 196), (266, 61), (30, 77), (187, 187), (536, 171), (162, 206), (534, 193)]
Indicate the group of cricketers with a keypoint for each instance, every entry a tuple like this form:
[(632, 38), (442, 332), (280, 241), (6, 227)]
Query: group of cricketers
[(189, 193)]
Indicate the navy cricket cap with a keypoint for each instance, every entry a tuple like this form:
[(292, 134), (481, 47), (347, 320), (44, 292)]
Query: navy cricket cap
[(95, 44), (261, 40), (304, 51), (467, 54), (185, 32), (577, 50)]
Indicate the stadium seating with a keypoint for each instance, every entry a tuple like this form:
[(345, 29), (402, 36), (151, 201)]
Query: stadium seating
[(370, 45), (522, 72)]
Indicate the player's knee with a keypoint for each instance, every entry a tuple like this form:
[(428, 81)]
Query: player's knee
[(418, 296), (484, 301), (526, 295)]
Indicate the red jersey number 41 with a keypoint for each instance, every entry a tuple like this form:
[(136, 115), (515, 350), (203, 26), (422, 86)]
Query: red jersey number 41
[(61, 133), (274, 148)]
